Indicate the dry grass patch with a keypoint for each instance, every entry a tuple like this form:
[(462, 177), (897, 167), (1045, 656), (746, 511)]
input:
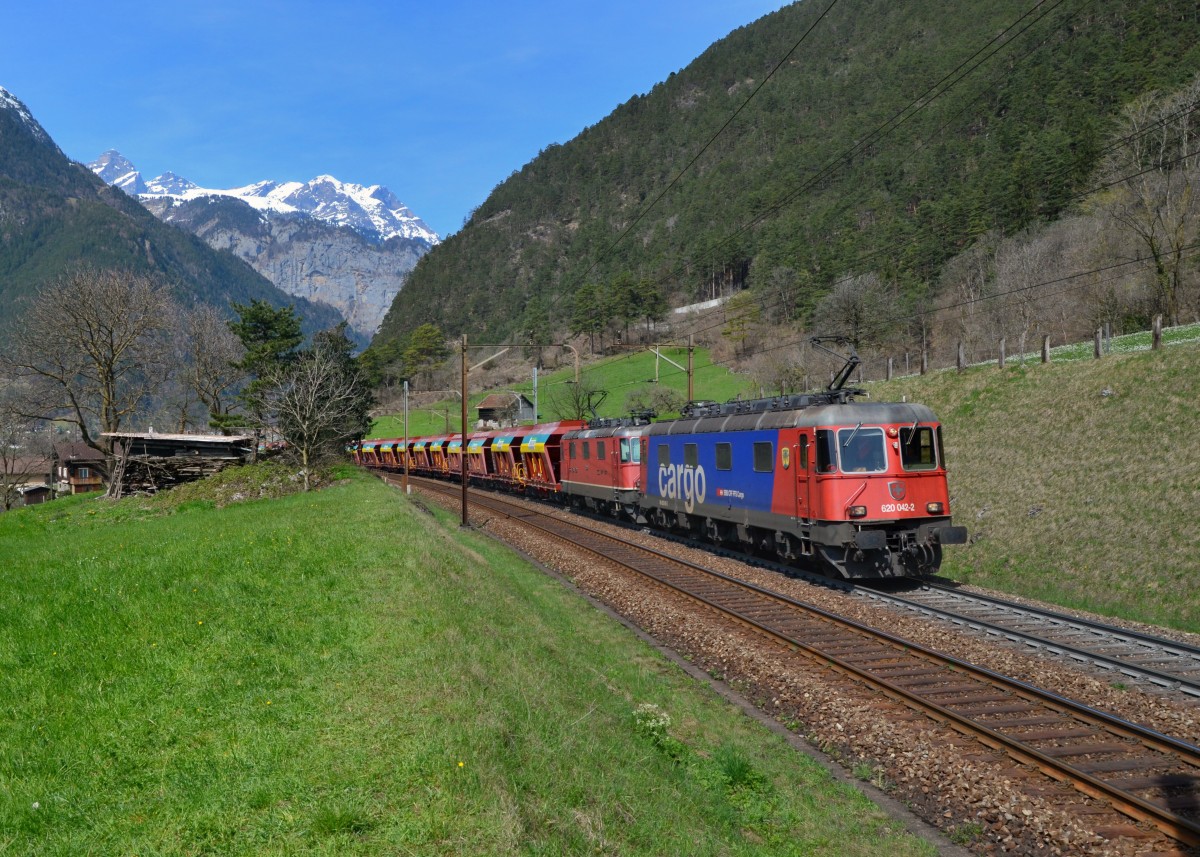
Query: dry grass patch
[(1079, 483)]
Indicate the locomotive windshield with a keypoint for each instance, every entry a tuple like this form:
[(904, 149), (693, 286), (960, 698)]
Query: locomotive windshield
[(862, 450), (917, 448)]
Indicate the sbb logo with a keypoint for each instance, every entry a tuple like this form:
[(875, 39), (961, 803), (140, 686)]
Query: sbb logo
[(677, 482)]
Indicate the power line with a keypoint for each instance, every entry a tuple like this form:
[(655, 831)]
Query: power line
[(646, 210), (921, 102), (1186, 252)]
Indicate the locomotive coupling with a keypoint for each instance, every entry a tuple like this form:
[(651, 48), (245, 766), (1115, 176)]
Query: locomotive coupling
[(869, 540)]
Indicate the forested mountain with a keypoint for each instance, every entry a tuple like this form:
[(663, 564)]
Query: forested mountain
[(889, 140), (55, 215)]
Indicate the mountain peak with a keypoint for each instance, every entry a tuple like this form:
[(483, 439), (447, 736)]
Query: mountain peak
[(8, 101), (118, 171), (168, 184)]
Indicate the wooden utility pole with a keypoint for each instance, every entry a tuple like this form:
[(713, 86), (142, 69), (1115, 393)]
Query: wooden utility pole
[(691, 370), (466, 522), (406, 492)]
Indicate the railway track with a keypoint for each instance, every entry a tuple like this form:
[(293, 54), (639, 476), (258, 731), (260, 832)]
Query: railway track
[(1166, 663), (1147, 776)]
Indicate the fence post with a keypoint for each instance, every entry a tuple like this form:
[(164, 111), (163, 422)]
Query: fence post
[(962, 357), (924, 361), (1156, 336), (889, 369), (1002, 351), (1046, 349), (1098, 343), (907, 365)]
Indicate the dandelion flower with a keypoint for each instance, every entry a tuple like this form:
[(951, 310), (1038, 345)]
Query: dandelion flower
[(460, 764)]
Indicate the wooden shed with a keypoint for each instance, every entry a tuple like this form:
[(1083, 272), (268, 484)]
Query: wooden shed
[(498, 410), (147, 462)]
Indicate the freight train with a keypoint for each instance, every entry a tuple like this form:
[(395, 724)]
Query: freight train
[(854, 489)]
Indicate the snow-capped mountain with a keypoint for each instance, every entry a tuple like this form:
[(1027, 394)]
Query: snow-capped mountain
[(168, 184), (337, 243), (117, 171), (373, 212)]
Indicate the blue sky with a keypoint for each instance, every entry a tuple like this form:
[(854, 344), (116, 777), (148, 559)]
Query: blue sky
[(437, 101)]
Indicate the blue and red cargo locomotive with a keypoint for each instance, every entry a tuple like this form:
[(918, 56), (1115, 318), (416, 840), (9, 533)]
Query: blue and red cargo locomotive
[(857, 489)]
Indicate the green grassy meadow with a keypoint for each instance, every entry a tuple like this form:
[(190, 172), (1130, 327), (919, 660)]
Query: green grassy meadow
[(341, 673)]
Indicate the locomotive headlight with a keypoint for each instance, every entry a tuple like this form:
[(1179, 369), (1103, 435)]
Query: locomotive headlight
[(934, 508), (858, 511)]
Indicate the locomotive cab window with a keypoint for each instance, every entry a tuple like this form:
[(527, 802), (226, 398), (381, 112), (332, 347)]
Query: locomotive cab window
[(826, 451), (691, 457), (804, 453), (624, 450), (917, 448), (764, 456), (862, 450), (724, 456)]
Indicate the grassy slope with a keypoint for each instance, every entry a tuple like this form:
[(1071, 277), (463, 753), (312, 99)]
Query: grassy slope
[(339, 673), (1079, 482), (619, 375)]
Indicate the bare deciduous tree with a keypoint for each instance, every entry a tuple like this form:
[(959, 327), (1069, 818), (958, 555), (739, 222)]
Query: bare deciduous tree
[(858, 308), (212, 372), (1155, 174), (656, 398), (24, 454), (1022, 267), (573, 401), (94, 345), (318, 405)]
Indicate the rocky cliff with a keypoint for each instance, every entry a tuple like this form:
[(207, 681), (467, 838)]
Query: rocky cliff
[(303, 256)]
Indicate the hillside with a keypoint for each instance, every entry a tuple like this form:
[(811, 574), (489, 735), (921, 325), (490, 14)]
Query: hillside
[(55, 214), (800, 181), (1077, 481)]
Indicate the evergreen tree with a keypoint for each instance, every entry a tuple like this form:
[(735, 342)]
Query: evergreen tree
[(271, 338)]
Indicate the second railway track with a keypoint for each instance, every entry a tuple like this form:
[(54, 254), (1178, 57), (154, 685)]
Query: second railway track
[(1147, 776), (1167, 663)]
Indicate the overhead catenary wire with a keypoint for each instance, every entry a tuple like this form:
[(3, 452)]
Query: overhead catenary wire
[(948, 81), (691, 163), (921, 102), (1067, 281)]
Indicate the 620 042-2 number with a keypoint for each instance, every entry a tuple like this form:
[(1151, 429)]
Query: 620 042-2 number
[(898, 507)]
